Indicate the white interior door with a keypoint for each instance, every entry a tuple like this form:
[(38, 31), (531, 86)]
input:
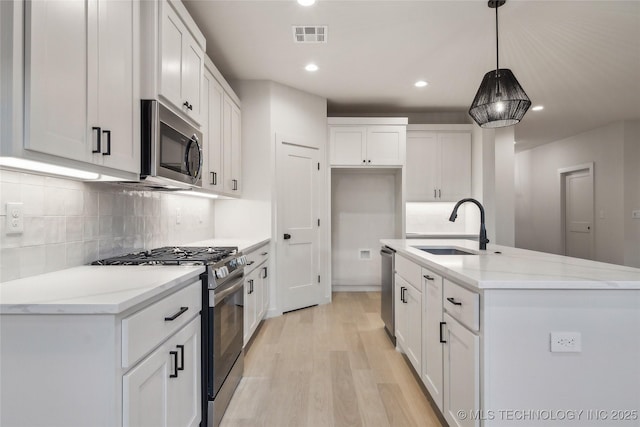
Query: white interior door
[(298, 235), (578, 209)]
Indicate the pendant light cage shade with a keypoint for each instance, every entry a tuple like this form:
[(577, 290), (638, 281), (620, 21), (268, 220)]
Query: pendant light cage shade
[(500, 100)]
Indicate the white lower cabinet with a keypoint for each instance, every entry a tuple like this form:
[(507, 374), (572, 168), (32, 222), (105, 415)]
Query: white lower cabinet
[(160, 390), (409, 321), (461, 375), (432, 336), (139, 368), (256, 290)]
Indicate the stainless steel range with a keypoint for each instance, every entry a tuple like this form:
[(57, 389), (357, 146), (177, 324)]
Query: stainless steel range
[(222, 317)]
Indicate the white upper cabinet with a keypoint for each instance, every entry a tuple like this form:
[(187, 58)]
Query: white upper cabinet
[(367, 141), (181, 61), (82, 82), (438, 164), (222, 128)]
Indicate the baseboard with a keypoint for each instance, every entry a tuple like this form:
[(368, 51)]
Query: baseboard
[(355, 288)]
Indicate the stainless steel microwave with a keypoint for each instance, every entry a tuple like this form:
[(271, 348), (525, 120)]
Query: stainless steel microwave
[(171, 151)]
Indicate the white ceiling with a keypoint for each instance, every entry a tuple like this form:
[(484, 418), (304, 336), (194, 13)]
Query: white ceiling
[(580, 59)]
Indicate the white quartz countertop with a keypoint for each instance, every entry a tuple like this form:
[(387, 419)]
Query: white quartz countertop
[(244, 245), (514, 268), (91, 289)]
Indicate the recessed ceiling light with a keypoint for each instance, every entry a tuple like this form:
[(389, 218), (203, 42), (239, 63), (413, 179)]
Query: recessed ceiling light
[(420, 83), (306, 2), (311, 67), (537, 108)]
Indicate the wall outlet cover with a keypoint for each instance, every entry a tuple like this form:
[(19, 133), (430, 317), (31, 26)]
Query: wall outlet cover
[(15, 218), (635, 214), (364, 254), (566, 342)]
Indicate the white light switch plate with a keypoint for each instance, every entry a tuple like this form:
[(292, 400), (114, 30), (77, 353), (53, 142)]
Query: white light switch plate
[(635, 214), (566, 342)]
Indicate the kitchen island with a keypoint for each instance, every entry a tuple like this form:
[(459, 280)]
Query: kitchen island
[(511, 337)]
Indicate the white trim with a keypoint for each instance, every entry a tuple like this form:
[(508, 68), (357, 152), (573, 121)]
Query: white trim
[(562, 174), (355, 288), (360, 121), (211, 67), (439, 127)]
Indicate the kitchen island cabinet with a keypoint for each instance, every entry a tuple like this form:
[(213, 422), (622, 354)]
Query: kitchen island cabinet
[(530, 332), (101, 346)]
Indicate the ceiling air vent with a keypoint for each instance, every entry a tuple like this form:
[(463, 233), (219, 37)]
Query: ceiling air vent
[(310, 34)]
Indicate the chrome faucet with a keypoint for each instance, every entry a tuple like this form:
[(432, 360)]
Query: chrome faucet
[(483, 231)]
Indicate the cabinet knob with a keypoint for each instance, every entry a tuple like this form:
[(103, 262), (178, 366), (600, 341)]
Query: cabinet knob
[(368, 161), (364, 161)]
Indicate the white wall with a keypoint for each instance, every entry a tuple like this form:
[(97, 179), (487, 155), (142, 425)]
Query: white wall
[(70, 223), (614, 151), (504, 183), (363, 211)]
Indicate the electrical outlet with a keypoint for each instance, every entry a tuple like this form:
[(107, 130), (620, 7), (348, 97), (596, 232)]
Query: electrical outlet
[(178, 215), (566, 342), (635, 214), (15, 218)]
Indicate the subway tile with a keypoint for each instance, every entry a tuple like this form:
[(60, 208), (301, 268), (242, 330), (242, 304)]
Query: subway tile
[(9, 192), (105, 227), (138, 205), (105, 248), (75, 228), (105, 203), (63, 183), (33, 233), (9, 264), (75, 254), (91, 251), (55, 257), (73, 202), (54, 201), (55, 229), (9, 240), (31, 260), (91, 227), (10, 176), (91, 203), (117, 229), (32, 179), (33, 199)]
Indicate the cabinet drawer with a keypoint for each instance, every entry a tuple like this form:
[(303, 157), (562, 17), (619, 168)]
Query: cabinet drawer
[(409, 270), (462, 304), (256, 257), (143, 330)]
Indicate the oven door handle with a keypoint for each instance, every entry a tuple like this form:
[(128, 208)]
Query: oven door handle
[(219, 296)]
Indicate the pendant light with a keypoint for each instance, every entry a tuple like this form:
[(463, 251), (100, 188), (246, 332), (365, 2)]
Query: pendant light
[(500, 100)]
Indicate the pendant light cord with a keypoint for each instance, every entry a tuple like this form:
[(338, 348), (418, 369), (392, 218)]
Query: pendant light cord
[(497, 48)]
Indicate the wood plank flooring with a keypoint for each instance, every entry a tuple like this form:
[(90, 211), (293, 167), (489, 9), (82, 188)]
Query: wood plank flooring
[(331, 365)]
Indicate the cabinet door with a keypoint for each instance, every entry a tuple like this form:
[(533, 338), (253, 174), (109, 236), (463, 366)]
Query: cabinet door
[(400, 311), (192, 69), (249, 306), (231, 140), (265, 289), (58, 55), (348, 145), (385, 145), (118, 84), (173, 33), (413, 337), (432, 348), (455, 165), (461, 374), (212, 178), (144, 388), (423, 166), (183, 393)]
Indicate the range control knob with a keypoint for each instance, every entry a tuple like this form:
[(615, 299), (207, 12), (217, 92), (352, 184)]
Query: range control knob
[(242, 260), (222, 272)]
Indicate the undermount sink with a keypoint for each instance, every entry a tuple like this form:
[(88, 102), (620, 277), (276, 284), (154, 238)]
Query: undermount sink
[(443, 250)]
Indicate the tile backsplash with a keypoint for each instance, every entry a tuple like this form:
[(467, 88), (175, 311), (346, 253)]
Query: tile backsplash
[(433, 217), (69, 223)]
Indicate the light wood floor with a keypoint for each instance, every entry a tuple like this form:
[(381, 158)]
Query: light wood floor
[(331, 365)]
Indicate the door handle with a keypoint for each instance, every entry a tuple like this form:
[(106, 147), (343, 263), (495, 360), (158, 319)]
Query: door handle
[(402, 289), (108, 133), (98, 140), (181, 366), (442, 340), (287, 236), (453, 301), (175, 364)]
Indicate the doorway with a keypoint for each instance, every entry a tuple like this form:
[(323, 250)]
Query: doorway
[(577, 194), (298, 224)]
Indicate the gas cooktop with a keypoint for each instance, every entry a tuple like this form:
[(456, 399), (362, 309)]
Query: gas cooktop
[(172, 255)]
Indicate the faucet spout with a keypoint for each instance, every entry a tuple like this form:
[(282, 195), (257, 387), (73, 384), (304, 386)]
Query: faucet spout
[(482, 238)]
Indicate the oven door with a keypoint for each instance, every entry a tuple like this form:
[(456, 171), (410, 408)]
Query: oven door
[(225, 335)]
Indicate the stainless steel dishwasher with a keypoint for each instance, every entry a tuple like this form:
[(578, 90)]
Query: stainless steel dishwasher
[(387, 311)]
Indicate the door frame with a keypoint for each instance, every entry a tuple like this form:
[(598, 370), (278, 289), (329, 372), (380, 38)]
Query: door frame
[(562, 178), (324, 255)]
